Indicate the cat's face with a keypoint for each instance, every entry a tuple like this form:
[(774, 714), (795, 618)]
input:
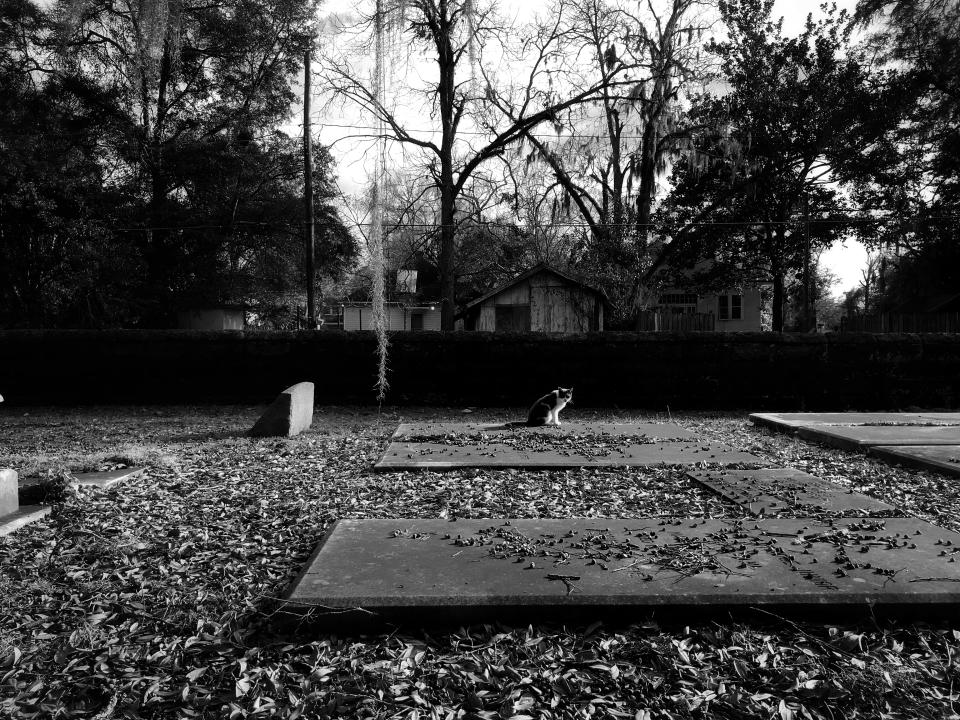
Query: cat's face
[(565, 393)]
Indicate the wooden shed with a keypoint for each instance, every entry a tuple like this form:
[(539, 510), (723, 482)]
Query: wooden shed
[(543, 299)]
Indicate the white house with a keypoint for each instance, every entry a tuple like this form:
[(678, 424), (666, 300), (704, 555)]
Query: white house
[(399, 316), (739, 309)]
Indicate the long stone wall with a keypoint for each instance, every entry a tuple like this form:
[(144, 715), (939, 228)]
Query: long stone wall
[(628, 370)]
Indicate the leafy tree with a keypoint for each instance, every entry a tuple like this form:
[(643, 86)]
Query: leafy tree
[(764, 204), (141, 172), (196, 85), (910, 177), (55, 266)]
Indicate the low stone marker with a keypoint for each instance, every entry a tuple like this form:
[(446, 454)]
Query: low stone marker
[(438, 446), (107, 478), (939, 458), (862, 436), (419, 568), (290, 414), (792, 421), (774, 490), (12, 515)]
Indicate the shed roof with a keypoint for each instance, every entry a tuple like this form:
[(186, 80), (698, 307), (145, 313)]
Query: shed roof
[(542, 267)]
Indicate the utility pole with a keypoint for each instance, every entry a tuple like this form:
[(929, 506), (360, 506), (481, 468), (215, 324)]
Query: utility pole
[(308, 195), (807, 320)]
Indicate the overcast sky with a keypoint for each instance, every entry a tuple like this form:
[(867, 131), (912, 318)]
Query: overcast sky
[(353, 157)]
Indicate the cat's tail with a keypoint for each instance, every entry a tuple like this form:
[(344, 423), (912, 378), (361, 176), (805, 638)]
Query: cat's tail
[(515, 423)]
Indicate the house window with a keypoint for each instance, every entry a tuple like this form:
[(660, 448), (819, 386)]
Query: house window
[(678, 299), (730, 307), (679, 303), (513, 318), (416, 321)]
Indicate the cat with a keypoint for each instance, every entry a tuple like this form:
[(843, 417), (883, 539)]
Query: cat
[(546, 410)]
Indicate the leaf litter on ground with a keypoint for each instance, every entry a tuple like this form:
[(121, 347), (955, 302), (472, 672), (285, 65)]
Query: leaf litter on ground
[(149, 599)]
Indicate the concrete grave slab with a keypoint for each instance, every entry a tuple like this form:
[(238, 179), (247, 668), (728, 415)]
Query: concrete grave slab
[(863, 436), (436, 446), (24, 515), (939, 458), (12, 515), (666, 432), (290, 414), (774, 490), (107, 478), (792, 421), (421, 568)]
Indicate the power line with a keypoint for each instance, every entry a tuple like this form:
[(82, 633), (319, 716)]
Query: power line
[(468, 223), (435, 131)]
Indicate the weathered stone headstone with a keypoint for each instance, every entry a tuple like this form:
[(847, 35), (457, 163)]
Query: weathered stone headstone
[(12, 516), (8, 492), (290, 414)]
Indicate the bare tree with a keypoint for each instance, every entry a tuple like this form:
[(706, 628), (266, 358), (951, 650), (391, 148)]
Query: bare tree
[(449, 35)]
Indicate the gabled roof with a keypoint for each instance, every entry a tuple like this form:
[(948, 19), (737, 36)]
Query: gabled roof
[(944, 303), (542, 267)]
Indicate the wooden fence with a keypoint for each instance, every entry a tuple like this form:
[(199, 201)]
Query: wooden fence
[(902, 323), (660, 321)]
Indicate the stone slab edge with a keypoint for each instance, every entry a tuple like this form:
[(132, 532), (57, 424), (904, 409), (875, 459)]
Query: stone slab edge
[(470, 605), (865, 512), (24, 516), (774, 422), (394, 465), (106, 479), (682, 434), (900, 455), (833, 435)]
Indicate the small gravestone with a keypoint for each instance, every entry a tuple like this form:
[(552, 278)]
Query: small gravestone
[(290, 414), (106, 478), (12, 516), (8, 493)]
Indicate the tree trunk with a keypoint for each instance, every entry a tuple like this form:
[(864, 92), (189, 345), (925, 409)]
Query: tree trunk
[(648, 179), (448, 191), (448, 248), (159, 257), (778, 300)]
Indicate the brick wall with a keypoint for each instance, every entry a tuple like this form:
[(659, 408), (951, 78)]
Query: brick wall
[(644, 370)]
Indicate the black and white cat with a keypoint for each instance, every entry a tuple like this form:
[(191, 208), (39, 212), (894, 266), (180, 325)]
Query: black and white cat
[(546, 410)]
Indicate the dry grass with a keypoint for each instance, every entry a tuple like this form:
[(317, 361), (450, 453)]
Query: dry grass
[(149, 599)]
